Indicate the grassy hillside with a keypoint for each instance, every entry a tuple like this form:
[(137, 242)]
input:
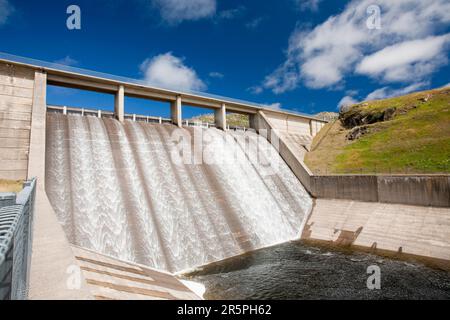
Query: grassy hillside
[(407, 134), (233, 119)]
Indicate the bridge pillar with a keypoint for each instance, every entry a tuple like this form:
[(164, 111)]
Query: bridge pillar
[(175, 111), (220, 117), (119, 104), (254, 121)]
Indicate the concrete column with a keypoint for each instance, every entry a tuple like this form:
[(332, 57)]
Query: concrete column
[(254, 121), (119, 105), (175, 111), (220, 117), (36, 158)]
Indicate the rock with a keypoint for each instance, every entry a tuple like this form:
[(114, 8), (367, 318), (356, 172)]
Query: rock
[(425, 99), (389, 114), (355, 117), (357, 133)]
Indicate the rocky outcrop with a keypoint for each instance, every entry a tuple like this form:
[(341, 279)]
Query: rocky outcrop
[(357, 116), (357, 132)]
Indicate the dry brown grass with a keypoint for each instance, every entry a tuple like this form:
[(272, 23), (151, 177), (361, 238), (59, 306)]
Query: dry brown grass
[(327, 145), (10, 185)]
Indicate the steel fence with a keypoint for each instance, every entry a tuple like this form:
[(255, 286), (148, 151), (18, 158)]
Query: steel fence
[(16, 215)]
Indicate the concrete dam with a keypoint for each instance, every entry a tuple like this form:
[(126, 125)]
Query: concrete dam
[(117, 188), (118, 195)]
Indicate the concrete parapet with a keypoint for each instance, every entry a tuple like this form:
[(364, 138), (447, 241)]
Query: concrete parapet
[(415, 190), (362, 188)]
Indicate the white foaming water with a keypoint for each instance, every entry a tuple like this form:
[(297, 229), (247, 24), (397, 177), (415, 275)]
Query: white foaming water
[(116, 189)]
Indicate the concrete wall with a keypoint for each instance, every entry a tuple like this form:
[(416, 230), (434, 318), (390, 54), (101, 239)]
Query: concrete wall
[(416, 190), (394, 229), (292, 156), (289, 123), (362, 188), (316, 126), (16, 98), (413, 190)]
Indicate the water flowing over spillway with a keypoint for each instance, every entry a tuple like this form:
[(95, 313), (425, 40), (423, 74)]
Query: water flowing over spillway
[(126, 190)]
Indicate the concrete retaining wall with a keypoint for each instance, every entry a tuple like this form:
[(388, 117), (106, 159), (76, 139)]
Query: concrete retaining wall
[(290, 155), (413, 190), (363, 188), (294, 125), (393, 229), (16, 98)]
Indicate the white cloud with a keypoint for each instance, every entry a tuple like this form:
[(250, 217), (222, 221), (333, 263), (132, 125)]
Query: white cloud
[(231, 13), (66, 61), (312, 5), (216, 75), (255, 89), (253, 24), (387, 92), (446, 86), (274, 106), (176, 11), (322, 57), (168, 71), (346, 102), (6, 9), (409, 59)]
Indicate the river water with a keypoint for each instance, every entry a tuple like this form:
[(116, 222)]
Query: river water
[(296, 270)]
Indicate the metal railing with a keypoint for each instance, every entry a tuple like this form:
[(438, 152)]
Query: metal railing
[(106, 114), (16, 216)]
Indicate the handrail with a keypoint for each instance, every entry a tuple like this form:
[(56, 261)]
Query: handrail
[(16, 217)]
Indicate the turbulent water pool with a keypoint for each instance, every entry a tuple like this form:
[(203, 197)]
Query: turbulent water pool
[(295, 270)]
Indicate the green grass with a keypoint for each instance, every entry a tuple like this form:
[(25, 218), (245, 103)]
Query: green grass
[(233, 119), (416, 140)]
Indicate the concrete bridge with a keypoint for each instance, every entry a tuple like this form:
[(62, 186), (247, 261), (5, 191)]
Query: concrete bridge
[(23, 104)]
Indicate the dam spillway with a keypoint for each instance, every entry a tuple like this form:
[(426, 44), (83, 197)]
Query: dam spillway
[(124, 190)]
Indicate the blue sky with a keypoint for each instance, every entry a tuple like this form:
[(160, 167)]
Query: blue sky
[(303, 55)]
